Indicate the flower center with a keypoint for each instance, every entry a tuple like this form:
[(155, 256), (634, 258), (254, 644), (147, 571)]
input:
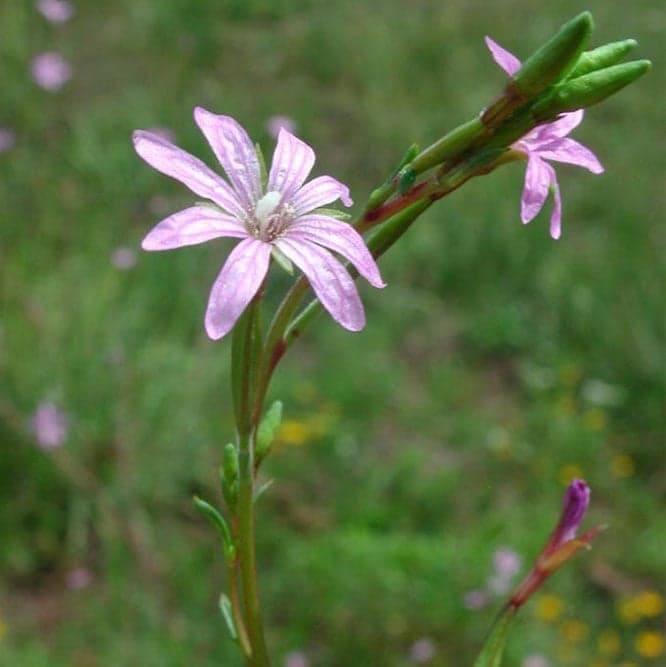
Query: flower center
[(270, 219)]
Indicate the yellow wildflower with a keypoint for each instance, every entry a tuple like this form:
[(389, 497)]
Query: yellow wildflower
[(549, 608), (574, 630), (649, 644), (649, 604), (608, 643), (623, 465), (569, 472)]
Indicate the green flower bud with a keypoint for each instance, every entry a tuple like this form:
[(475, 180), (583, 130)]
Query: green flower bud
[(556, 58), (588, 89), (268, 428), (229, 475), (604, 56)]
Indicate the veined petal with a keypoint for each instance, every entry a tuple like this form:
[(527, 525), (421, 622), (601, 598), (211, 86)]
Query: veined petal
[(537, 182), (319, 192), (564, 124), (236, 285), (191, 226), (341, 238), (330, 281), (184, 167), (506, 60), (235, 151), (556, 215), (572, 152), (292, 163)]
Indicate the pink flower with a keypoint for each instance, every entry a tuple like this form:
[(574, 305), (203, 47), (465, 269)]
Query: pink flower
[(50, 425), (7, 139), (276, 123), (296, 659), (51, 71), (56, 11), (281, 217), (423, 650), (123, 258), (545, 142), (78, 578), (563, 543)]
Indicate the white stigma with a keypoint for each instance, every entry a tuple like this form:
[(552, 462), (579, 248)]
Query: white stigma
[(265, 208)]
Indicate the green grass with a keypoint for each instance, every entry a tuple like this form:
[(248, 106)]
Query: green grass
[(495, 364)]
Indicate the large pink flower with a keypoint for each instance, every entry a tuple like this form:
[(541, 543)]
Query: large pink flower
[(546, 142), (281, 216)]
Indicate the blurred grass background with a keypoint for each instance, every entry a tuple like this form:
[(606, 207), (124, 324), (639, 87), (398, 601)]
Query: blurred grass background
[(496, 365)]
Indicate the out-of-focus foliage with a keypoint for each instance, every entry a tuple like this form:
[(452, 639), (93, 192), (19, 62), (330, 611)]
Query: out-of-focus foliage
[(495, 366)]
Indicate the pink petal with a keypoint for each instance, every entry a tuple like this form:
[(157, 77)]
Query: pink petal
[(562, 126), (506, 60), (537, 182), (292, 162), (330, 281), (235, 286), (341, 238), (572, 152), (556, 215), (319, 192), (235, 151), (191, 226), (189, 170)]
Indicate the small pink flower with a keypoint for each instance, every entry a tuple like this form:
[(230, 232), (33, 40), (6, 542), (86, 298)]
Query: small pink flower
[(506, 562), (78, 578), (50, 425), (546, 142), (423, 650), (7, 139), (56, 11), (276, 123), (535, 661), (284, 218), (123, 258), (563, 543), (296, 659), (476, 599), (51, 71)]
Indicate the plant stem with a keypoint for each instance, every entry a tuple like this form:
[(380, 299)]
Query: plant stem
[(245, 353)]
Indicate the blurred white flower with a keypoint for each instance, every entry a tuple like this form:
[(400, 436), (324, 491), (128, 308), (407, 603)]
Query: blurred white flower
[(276, 123), (423, 650), (535, 661), (296, 659), (7, 139), (56, 11), (123, 258), (51, 71), (78, 578), (50, 425)]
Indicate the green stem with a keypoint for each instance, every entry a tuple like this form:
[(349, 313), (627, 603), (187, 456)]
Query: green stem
[(245, 353), (237, 610)]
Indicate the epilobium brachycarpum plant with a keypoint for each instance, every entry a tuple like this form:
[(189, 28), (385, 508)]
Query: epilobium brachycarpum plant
[(283, 224)]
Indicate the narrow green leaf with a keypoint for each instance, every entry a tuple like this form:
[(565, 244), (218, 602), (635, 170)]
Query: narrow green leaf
[(225, 609), (268, 428), (493, 648), (217, 520)]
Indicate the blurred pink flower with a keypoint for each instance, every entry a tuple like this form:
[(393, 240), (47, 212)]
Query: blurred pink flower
[(7, 139), (476, 599), (50, 425), (56, 11), (535, 661), (296, 659), (78, 578), (284, 219), (123, 258), (51, 71), (546, 142), (276, 123), (423, 650), (506, 562)]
